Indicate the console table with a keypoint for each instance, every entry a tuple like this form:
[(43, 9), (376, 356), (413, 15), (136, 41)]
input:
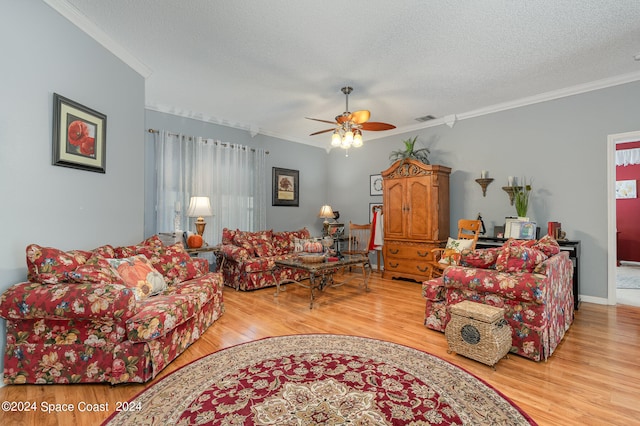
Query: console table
[(572, 247)]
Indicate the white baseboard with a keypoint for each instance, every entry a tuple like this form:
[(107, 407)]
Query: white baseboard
[(596, 300)]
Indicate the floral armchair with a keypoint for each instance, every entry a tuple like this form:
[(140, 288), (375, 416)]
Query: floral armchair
[(531, 280)]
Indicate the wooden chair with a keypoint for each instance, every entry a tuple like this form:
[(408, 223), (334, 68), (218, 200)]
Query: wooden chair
[(359, 236), (467, 230)]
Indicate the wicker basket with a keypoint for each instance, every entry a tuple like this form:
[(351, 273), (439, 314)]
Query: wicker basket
[(479, 332)]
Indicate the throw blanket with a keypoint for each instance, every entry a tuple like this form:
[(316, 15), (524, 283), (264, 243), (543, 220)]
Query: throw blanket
[(377, 232)]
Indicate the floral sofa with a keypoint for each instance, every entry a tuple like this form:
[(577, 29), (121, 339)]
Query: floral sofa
[(78, 319), (531, 280), (248, 258)]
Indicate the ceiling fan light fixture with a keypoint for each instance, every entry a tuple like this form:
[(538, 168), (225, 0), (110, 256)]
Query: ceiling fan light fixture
[(349, 126), (357, 139), (336, 139), (347, 140)]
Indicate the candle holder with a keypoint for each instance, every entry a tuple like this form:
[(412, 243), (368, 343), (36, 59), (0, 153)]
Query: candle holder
[(484, 182)]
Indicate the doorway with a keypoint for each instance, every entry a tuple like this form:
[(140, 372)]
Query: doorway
[(624, 296)]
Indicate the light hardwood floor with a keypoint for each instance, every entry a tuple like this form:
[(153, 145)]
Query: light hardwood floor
[(593, 378)]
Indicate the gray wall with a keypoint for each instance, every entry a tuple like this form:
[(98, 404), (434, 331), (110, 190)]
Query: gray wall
[(560, 144), (310, 161), (43, 53)]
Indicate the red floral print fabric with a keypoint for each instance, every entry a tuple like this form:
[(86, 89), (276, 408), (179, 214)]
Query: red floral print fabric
[(81, 325)]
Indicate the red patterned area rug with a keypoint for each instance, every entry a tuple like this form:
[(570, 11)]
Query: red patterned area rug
[(321, 379)]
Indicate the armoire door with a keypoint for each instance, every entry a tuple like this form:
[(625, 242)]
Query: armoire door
[(394, 209), (419, 209)]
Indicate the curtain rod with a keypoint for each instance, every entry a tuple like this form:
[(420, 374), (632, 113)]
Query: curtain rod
[(191, 138)]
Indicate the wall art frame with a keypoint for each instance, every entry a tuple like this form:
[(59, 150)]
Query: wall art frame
[(285, 187), (375, 184), (79, 136), (626, 189)]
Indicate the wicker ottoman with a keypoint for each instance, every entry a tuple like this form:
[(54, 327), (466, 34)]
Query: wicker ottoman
[(479, 332)]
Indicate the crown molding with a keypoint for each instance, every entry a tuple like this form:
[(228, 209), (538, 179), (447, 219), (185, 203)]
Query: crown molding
[(238, 126), (552, 95), (83, 23)]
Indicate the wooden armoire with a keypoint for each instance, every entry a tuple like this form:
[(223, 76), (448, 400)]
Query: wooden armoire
[(416, 217)]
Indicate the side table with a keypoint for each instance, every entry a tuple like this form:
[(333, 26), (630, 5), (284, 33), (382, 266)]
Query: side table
[(216, 250)]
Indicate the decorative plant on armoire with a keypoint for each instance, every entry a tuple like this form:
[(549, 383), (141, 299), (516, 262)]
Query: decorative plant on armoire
[(409, 152)]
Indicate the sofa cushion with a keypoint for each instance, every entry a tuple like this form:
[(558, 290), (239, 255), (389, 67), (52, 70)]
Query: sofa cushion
[(547, 245), (47, 265), (227, 236), (106, 252), (520, 286), (258, 264), (94, 273), (160, 314), (173, 262), (124, 251), (256, 243), (519, 258), (282, 242), (139, 275), (263, 248), (480, 258), (241, 241), (64, 301)]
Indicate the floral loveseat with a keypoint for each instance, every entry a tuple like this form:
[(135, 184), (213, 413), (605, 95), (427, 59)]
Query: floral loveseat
[(77, 320), (531, 280), (248, 258)]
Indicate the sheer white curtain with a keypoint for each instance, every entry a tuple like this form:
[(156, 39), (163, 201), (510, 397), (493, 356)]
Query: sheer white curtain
[(231, 175)]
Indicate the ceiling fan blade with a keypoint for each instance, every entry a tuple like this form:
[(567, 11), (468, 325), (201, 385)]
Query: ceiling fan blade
[(321, 131), (377, 126), (322, 121), (360, 117)]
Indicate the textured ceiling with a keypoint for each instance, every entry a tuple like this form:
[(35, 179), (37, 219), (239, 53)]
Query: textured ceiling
[(266, 65)]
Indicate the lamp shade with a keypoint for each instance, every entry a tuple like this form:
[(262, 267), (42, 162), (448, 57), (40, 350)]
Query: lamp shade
[(326, 212), (336, 139), (199, 206)]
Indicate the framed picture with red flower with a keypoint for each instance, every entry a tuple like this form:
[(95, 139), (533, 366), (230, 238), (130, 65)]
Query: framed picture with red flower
[(79, 136)]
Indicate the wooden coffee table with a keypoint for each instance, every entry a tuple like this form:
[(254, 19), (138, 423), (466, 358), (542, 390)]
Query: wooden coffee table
[(321, 273)]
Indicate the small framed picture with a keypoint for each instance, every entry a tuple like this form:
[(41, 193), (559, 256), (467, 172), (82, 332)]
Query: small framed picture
[(375, 184), (286, 187), (625, 189), (79, 136)]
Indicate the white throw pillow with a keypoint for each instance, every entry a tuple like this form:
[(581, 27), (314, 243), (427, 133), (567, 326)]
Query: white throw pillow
[(452, 250)]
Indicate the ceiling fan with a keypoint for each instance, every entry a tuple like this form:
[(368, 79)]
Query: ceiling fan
[(349, 125)]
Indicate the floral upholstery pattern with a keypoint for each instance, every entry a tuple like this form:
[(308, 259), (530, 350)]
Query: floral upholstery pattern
[(78, 323), (249, 257), (538, 305)]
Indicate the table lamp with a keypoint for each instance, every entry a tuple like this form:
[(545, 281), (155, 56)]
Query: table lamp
[(326, 212), (199, 207)]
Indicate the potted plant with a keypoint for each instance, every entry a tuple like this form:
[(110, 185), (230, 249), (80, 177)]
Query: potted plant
[(421, 154), (521, 197)]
